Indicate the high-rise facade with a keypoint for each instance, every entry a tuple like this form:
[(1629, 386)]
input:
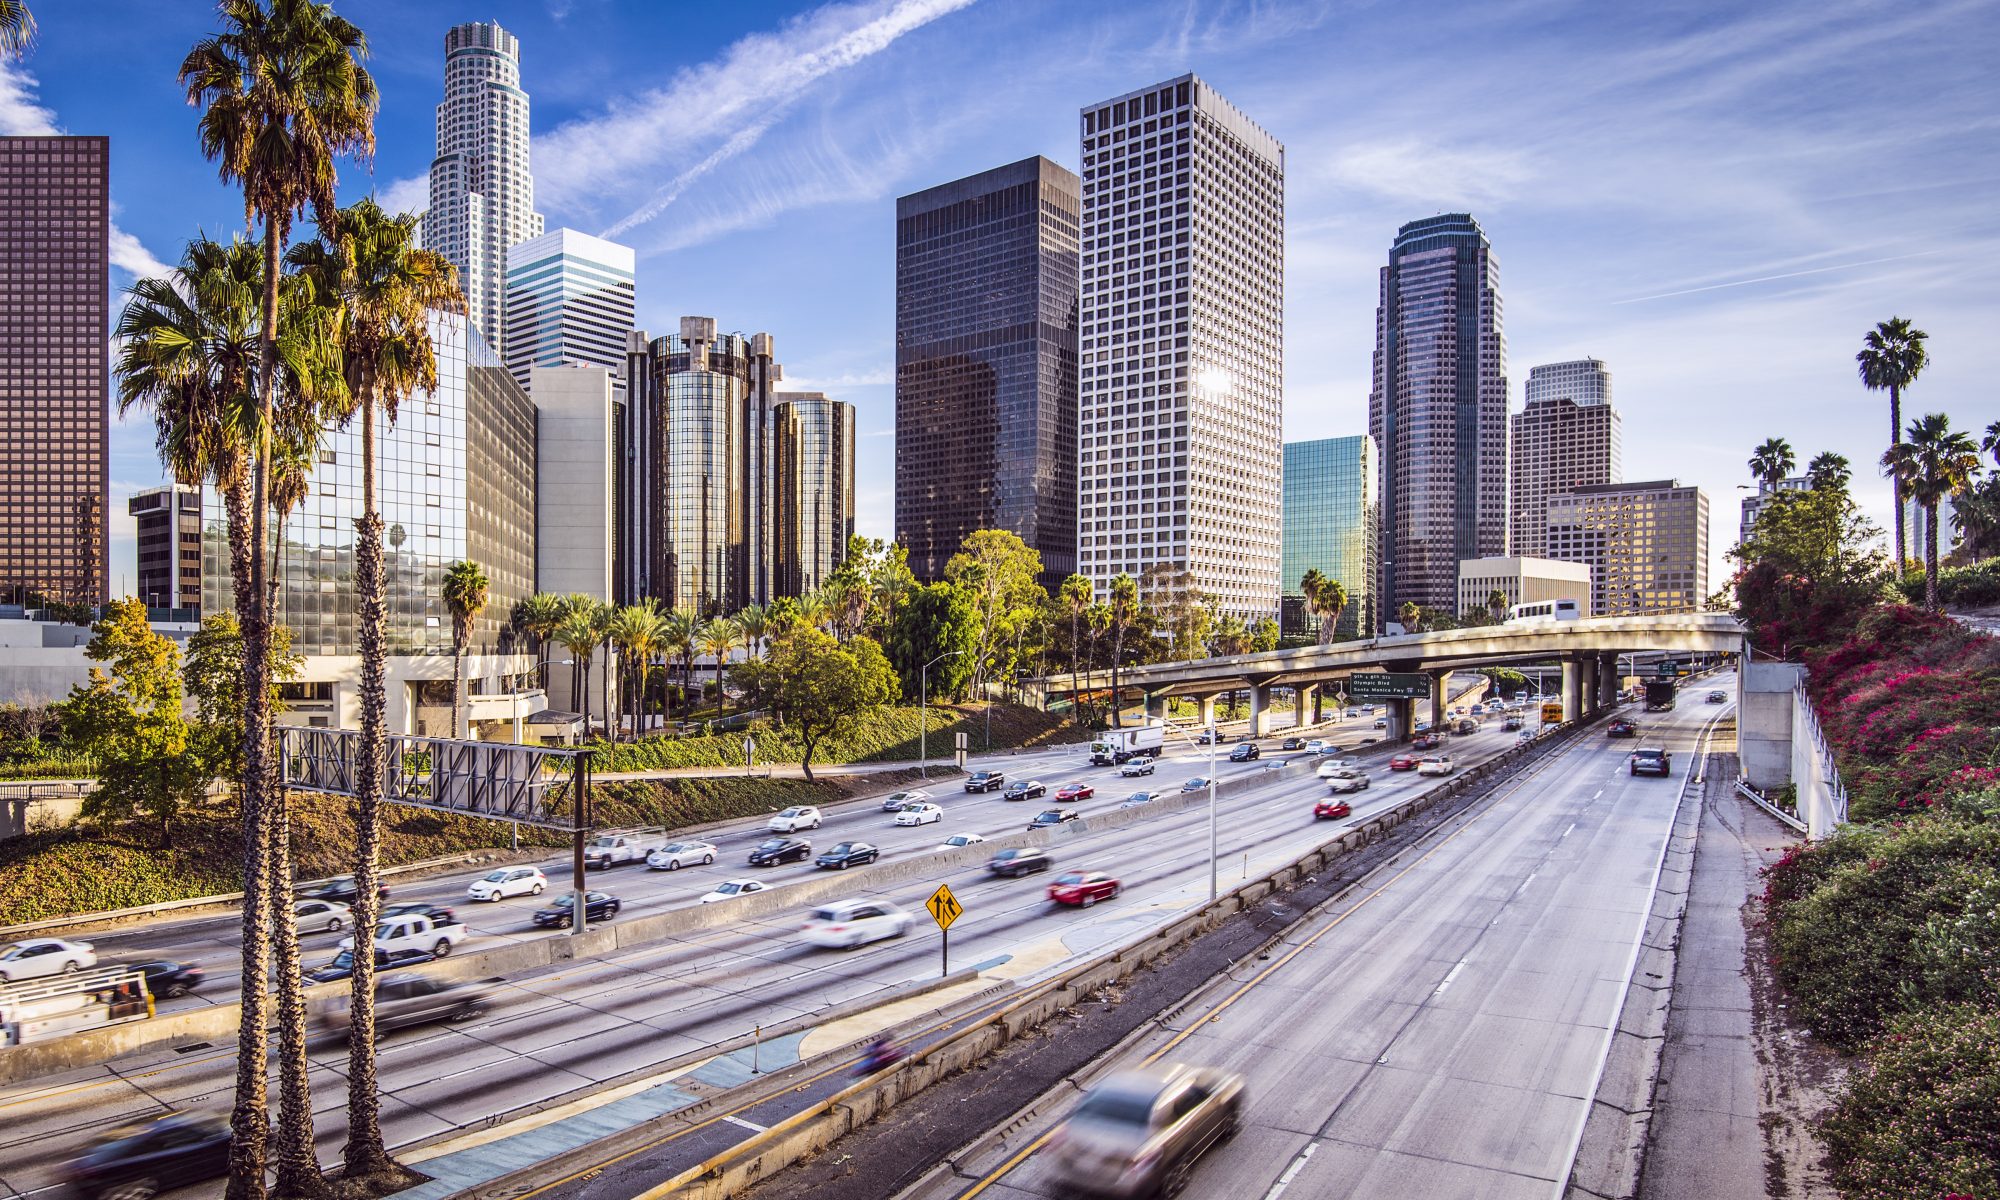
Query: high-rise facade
[(168, 524), (1181, 357), (482, 192), (571, 301), (1438, 409), (1567, 437), (1520, 579), (1646, 545), (812, 493), (1755, 503), (986, 335), (1332, 520), (55, 280)]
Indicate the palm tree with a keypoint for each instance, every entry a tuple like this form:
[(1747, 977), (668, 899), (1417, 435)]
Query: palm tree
[(578, 635), (1892, 356), (688, 648), (1124, 610), (602, 618), (282, 94), (1496, 605), (1772, 462), (636, 633), (1934, 462), (1077, 596), (814, 609), (464, 594), (17, 27), (718, 638), (539, 615), (676, 636), (1829, 471), (1326, 598), (1989, 442), (1411, 617), (754, 623)]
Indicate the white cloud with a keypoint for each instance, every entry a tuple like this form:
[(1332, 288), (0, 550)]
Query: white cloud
[(406, 195), (1418, 172), (881, 376), (129, 255)]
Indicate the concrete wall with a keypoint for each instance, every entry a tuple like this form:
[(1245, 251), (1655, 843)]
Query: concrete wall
[(1822, 800), (574, 476), (1764, 722)]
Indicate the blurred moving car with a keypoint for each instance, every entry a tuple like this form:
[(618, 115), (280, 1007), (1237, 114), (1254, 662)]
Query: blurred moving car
[(1427, 741), (1070, 792), (1718, 698), (417, 1000), (1197, 784), (1292, 743), (850, 923), (1019, 861), (1050, 818), (1319, 746), (560, 912), (340, 890), (1403, 762), (1142, 765), (319, 916), (1436, 764), (1081, 889), (1651, 760), (508, 881), (921, 813), (1511, 725), (1621, 728), (894, 801), (732, 889), (166, 979), (1347, 781), (144, 1159), (959, 841), (1245, 752), (1332, 810), (773, 851), (848, 854), (1137, 798), (1334, 766), (1140, 1133), (39, 958), (342, 965), (675, 855), (795, 818)]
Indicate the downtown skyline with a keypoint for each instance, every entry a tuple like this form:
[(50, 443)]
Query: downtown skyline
[(1719, 223)]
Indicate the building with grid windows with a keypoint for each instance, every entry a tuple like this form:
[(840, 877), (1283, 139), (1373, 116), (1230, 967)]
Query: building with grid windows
[(482, 192), (1567, 437), (55, 277), (986, 317), (1646, 545), (1331, 523), (1520, 579), (570, 302), (456, 481), (1181, 358), (168, 523), (1438, 409), (812, 494)]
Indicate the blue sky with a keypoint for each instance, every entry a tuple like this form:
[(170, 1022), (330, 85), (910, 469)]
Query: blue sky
[(1715, 198)]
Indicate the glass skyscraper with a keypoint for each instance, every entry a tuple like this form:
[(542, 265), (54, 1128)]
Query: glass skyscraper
[(986, 323), (456, 481), (1332, 519), (570, 300), (813, 492)]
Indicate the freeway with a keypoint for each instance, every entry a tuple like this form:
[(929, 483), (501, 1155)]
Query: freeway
[(570, 1029), (1437, 1030)]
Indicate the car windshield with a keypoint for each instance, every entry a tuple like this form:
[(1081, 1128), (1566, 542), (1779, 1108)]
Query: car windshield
[(1072, 878), (779, 843), (826, 914), (496, 877), (790, 812), (1116, 1108), (344, 959), (842, 848)]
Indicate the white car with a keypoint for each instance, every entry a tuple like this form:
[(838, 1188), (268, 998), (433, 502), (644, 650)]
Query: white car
[(509, 881), (732, 890), (959, 841), (850, 923), (675, 855), (1319, 746), (1335, 766), (38, 958), (1346, 781), (320, 916), (795, 818), (1139, 766), (1436, 764), (1139, 798), (920, 814), (896, 801)]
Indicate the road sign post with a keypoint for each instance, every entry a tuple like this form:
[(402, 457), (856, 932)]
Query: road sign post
[(944, 909)]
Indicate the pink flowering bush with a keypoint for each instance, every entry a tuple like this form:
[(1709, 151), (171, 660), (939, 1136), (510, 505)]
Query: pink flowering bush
[(1923, 1118)]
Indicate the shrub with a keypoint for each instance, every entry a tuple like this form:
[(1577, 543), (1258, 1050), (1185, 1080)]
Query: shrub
[(1923, 1119)]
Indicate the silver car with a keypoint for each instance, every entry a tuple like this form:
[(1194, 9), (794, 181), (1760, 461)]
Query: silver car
[(1139, 1133)]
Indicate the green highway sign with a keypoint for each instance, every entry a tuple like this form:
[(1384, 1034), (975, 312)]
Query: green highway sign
[(1668, 669), (1381, 685)]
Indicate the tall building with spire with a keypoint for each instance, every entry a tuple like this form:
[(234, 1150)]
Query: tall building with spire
[(482, 193), (1438, 410)]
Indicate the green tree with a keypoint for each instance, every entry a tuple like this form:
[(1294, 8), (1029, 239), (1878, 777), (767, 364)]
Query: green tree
[(1829, 471), (1124, 610), (635, 635), (129, 718), (825, 688), (999, 571), (1806, 571), (1892, 356), (933, 620), (212, 672), (1411, 617), (17, 27), (1936, 461), (538, 616), (718, 638), (1772, 461), (464, 593), (1496, 605), (1076, 596), (577, 635), (1326, 598), (1264, 635)]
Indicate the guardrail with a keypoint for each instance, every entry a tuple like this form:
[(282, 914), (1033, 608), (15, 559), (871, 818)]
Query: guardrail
[(1786, 818), (1825, 772)]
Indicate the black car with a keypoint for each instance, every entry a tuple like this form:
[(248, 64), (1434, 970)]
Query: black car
[(406, 1003), (438, 913), (1293, 743), (1197, 784), (1022, 861), (597, 906), (1245, 752), (1652, 761), (985, 781), (1023, 789), (340, 889), (777, 850), (1051, 818), (1621, 729), (342, 965), (848, 854), (165, 980), (159, 1155)]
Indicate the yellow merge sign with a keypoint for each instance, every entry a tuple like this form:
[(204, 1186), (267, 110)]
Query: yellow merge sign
[(944, 906)]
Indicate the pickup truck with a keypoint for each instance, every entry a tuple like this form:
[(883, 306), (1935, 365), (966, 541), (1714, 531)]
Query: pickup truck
[(436, 933), (612, 847)]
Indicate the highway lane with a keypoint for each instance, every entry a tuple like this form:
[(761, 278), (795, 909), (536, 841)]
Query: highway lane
[(557, 1032), (1438, 1030)]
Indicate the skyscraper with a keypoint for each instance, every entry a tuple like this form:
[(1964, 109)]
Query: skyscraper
[(167, 521), (986, 323), (1332, 518), (1181, 365), (1646, 544), (1438, 409), (570, 301), (1567, 437), (482, 194), (812, 494), (55, 268)]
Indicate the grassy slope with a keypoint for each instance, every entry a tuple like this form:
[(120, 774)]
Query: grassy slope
[(888, 736)]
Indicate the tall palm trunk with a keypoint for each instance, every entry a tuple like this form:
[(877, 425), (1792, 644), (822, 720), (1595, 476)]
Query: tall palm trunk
[(1117, 654), (1896, 482), (1930, 556), (1075, 648), (583, 690), (457, 690), (365, 1157), (609, 675), (236, 507)]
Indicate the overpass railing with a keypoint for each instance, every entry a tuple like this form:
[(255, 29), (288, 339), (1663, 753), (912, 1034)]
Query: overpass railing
[(1822, 797)]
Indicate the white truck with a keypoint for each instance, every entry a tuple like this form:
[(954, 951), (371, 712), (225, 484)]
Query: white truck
[(1116, 745), (417, 931), (614, 846)]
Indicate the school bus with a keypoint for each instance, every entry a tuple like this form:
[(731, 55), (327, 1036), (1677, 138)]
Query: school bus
[(1552, 712)]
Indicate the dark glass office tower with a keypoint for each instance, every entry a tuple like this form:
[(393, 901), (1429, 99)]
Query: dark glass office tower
[(812, 489), (1438, 410), (986, 327), (55, 264)]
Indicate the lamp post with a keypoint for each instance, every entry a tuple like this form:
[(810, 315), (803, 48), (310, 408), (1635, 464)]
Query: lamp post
[(923, 715)]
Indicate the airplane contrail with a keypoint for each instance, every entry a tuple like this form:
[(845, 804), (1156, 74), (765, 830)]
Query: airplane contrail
[(1770, 278)]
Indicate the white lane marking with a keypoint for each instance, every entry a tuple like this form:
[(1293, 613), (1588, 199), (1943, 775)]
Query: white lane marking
[(1599, 795), (1567, 832), (1291, 1172), (752, 1126), (1449, 976), (1525, 882)]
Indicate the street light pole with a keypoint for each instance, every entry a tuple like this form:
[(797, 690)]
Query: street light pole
[(923, 715)]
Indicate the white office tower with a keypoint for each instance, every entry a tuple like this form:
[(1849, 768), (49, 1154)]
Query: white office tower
[(1181, 363), (570, 302), (482, 194)]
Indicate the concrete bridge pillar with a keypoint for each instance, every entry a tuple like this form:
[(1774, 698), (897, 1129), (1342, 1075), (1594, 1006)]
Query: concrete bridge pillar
[(1208, 712), (1305, 704), (1401, 719), (1260, 697), (1607, 680), (1572, 692), (1440, 699)]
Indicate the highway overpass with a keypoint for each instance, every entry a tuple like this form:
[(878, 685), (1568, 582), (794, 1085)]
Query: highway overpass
[(1588, 650)]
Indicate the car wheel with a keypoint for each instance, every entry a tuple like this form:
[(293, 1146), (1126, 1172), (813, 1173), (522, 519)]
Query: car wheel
[(673, 864), (1176, 1180), (442, 949), (1116, 888), (1089, 900), (706, 859), (72, 967), (333, 924), (174, 993), (536, 891), (131, 1189), (842, 864)]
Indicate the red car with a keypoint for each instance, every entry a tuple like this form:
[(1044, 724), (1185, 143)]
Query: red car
[(1075, 791), (1331, 810), (1083, 888), (1403, 762)]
